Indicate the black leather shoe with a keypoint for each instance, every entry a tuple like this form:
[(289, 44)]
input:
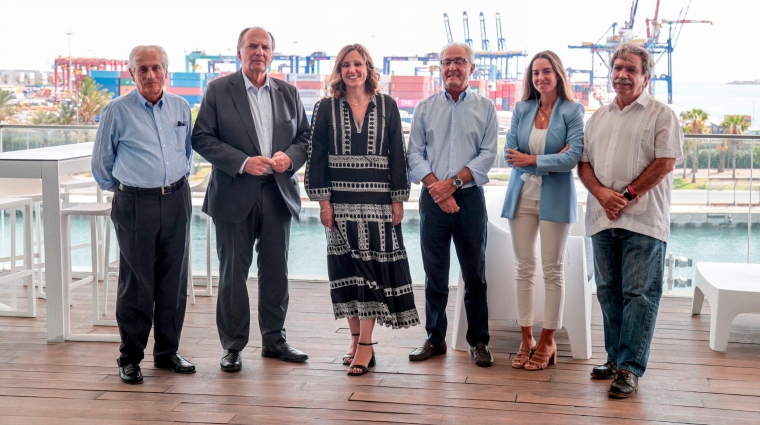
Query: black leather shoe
[(131, 374), (624, 385), (176, 364), (284, 351), (605, 371), (481, 355), (231, 361), (427, 350)]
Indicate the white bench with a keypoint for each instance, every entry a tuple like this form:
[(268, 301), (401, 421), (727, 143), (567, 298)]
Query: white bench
[(500, 277), (731, 289)]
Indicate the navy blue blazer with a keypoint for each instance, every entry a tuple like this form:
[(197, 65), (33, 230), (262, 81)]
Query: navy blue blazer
[(558, 200)]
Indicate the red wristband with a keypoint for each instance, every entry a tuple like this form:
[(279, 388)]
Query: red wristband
[(630, 190)]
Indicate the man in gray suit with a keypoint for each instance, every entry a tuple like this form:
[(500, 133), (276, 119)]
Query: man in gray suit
[(253, 130)]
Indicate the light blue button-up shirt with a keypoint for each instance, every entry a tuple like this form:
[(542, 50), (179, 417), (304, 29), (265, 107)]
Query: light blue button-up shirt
[(142, 145), (260, 100), (447, 136)]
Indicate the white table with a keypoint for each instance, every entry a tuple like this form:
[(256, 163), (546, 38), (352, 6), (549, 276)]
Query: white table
[(731, 289), (49, 164)]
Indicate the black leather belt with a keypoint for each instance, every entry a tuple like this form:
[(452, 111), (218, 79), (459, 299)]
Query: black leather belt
[(462, 191), (165, 190), (265, 178)]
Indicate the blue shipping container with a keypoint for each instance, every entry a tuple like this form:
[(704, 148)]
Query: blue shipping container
[(192, 100), (197, 76), (187, 83), (104, 74)]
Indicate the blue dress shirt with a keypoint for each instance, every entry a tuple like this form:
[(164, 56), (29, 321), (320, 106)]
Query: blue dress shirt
[(143, 145), (447, 136)]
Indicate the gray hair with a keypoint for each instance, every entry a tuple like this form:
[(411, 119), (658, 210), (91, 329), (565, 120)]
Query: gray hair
[(148, 48), (242, 34), (470, 53), (628, 49)]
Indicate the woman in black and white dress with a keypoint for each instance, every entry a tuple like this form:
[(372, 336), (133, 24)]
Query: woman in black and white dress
[(357, 171)]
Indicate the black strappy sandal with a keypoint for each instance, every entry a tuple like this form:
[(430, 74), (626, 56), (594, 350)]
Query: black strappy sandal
[(350, 357), (364, 369)]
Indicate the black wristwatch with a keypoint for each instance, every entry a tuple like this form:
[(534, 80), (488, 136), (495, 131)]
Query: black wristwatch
[(628, 195), (458, 183)]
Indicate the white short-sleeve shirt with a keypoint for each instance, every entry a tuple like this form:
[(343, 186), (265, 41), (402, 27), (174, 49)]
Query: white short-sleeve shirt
[(619, 146)]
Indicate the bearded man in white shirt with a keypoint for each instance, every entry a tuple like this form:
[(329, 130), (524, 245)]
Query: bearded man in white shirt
[(630, 150)]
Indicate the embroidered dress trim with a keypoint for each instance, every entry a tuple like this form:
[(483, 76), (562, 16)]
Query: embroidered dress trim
[(346, 133), (378, 311), (358, 162), (318, 194), (363, 212), (321, 194), (361, 186), (359, 281), (400, 195), (381, 257), (372, 129)]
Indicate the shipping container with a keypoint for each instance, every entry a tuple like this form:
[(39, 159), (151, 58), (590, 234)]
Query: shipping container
[(126, 89), (187, 83), (310, 85), (96, 73), (186, 91), (426, 87), (195, 76), (410, 94), (407, 103), (193, 100), (411, 79), (308, 77), (126, 82), (125, 74), (283, 77)]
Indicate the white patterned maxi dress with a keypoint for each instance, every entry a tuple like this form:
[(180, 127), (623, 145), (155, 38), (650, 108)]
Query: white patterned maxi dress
[(361, 169)]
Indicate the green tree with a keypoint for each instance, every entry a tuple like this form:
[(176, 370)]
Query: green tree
[(42, 117), (66, 114), (734, 124), (91, 98), (8, 107), (694, 122)]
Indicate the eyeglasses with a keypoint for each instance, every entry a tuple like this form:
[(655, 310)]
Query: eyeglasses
[(458, 62)]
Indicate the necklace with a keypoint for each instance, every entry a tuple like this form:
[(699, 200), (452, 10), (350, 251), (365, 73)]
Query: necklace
[(543, 115), (356, 103)]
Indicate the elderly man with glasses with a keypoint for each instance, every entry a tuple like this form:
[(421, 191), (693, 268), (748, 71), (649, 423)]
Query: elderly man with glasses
[(452, 146)]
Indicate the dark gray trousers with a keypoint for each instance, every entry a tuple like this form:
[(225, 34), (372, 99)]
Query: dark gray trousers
[(268, 228), (152, 233)]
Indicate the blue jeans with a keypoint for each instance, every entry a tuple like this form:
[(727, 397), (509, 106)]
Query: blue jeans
[(467, 228), (628, 268)]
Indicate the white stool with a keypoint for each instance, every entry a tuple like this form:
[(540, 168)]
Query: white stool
[(208, 292), (731, 289), (26, 271), (93, 210)]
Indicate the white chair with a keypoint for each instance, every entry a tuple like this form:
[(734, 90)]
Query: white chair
[(731, 289), (500, 276), (25, 271), (200, 188), (92, 210)]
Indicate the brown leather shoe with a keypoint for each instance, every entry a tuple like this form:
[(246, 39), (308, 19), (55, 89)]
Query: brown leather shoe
[(482, 356), (427, 350)]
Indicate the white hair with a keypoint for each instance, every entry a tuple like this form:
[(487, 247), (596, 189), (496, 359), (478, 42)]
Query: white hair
[(148, 48), (470, 53)]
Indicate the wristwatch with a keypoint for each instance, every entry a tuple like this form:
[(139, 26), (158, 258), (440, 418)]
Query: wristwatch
[(458, 183), (628, 195)]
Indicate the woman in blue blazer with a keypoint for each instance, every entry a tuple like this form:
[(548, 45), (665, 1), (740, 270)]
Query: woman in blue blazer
[(543, 146)]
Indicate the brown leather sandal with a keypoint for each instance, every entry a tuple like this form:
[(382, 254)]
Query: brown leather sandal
[(541, 360)]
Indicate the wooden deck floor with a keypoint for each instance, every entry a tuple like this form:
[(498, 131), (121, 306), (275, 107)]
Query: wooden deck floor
[(78, 383)]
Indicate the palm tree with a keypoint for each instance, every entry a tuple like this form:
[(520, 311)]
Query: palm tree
[(42, 117), (8, 108), (695, 122), (66, 114), (734, 124), (91, 98)]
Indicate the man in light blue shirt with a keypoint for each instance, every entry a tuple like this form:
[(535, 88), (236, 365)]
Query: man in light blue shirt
[(142, 153), (452, 146)]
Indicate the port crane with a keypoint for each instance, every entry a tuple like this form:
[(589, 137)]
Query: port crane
[(495, 64), (81, 66), (656, 48)]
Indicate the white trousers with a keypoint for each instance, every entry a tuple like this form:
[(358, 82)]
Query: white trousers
[(525, 228)]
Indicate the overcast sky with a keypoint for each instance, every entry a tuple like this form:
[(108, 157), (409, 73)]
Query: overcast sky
[(32, 34)]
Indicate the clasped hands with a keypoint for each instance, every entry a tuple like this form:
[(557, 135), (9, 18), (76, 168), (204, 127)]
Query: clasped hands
[(612, 202), (441, 192), (257, 165)]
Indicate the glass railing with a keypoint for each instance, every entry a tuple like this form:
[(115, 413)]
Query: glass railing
[(20, 137), (711, 215)]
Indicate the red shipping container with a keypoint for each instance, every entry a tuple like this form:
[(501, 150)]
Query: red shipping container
[(420, 79), (492, 94), (310, 85), (283, 77), (125, 74), (498, 107), (407, 103), (186, 91), (410, 94), (410, 87)]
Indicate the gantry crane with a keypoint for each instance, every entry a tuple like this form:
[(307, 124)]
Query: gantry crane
[(447, 27), (651, 43), (466, 24), (485, 44)]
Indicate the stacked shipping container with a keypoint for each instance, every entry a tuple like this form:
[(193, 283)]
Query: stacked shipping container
[(409, 90), (108, 79), (507, 93), (188, 85), (311, 87)]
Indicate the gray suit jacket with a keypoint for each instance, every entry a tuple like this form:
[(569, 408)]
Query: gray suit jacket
[(225, 135)]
